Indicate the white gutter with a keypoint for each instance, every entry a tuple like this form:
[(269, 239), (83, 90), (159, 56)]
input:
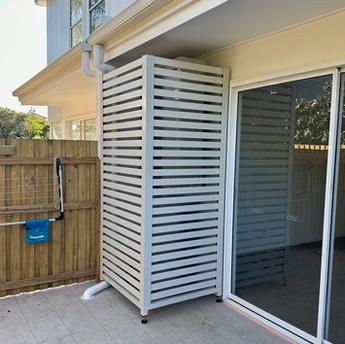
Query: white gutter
[(85, 59), (98, 59), (89, 293)]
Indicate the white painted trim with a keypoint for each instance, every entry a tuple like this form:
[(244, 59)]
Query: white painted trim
[(235, 88), (328, 207), (265, 320)]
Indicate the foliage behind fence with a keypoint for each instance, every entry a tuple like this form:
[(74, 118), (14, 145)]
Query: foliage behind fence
[(27, 191)]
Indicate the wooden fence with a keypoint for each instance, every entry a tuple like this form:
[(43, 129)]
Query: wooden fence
[(28, 190)]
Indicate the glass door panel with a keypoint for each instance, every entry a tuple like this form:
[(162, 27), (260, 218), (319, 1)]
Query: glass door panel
[(279, 198), (336, 319)]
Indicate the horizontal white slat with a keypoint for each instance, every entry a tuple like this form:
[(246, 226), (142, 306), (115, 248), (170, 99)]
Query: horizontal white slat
[(123, 143), (120, 203), (185, 181), (110, 195), (185, 226), (177, 84), (122, 280), (183, 262), (123, 69), (177, 94), (184, 280), (126, 189), (186, 153), (183, 271), (125, 213), (184, 235), (184, 244), (192, 66), (129, 162), (184, 208), (180, 218), (113, 83), (122, 98), (186, 162), (186, 172), (122, 153), (185, 143), (121, 190), (117, 237), (123, 170), (187, 134), (187, 293), (123, 255), (186, 199), (123, 125), (185, 190), (114, 261), (123, 107), (187, 125), (132, 232), (195, 116), (188, 76), (123, 134), (174, 104), (126, 116), (119, 246), (127, 87), (184, 254), (123, 179)]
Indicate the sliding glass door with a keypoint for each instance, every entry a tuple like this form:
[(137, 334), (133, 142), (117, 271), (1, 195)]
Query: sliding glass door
[(280, 184)]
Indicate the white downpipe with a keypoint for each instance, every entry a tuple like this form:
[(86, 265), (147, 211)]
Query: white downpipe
[(85, 58), (98, 59), (89, 293)]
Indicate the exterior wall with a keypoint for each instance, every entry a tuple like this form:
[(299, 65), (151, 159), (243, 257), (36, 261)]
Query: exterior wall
[(58, 28), (116, 6), (304, 46)]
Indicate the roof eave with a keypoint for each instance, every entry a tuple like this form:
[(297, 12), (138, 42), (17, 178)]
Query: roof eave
[(56, 69), (41, 2)]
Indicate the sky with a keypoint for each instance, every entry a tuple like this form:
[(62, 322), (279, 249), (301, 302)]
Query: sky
[(23, 48)]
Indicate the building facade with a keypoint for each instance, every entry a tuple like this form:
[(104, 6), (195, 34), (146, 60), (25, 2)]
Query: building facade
[(220, 126)]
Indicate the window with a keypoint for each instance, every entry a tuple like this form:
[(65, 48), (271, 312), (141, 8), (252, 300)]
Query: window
[(90, 129), (97, 10), (84, 129), (76, 130), (56, 130), (76, 22)]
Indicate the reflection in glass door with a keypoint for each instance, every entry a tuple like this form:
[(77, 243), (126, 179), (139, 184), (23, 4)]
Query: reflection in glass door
[(283, 134), (336, 307)]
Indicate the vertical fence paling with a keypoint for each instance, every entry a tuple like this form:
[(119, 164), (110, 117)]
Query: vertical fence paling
[(27, 191)]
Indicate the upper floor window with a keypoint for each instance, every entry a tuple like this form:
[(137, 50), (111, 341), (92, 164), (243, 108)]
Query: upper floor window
[(97, 10), (76, 22)]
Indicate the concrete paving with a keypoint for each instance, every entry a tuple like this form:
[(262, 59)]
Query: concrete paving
[(58, 316)]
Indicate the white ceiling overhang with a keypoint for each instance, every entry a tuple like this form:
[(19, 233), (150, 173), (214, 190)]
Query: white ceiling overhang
[(229, 24)]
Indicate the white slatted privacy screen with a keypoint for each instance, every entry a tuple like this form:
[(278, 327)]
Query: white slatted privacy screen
[(164, 124), (264, 180)]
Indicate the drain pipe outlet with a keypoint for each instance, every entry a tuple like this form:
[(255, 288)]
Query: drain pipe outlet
[(85, 58), (89, 293), (98, 58)]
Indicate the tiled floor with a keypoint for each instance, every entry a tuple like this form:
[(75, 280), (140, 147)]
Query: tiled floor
[(59, 316)]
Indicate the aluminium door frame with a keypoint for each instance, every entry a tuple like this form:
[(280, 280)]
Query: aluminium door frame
[(277, 324)]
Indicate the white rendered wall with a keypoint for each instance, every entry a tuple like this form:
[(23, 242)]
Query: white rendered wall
[(58, 28), (116, 6)]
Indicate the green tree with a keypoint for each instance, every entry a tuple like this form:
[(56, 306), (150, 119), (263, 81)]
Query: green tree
[(24, 125), (312, 119), (37, 127), (12, 123)]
